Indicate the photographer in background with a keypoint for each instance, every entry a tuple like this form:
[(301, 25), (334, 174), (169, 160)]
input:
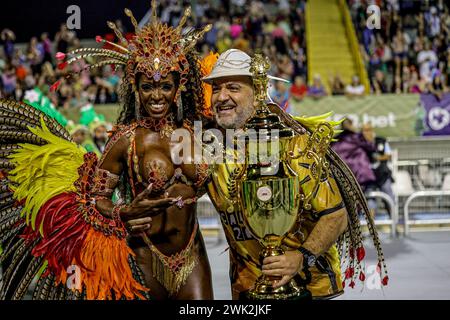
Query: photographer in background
[(380, 162)]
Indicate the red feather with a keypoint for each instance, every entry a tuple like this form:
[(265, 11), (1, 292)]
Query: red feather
[(64, 232), (55, 86), (62, 65), (349, 272), (362, 276), (360, 253)]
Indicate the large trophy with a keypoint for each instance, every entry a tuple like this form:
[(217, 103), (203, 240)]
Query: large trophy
[(270, 196)]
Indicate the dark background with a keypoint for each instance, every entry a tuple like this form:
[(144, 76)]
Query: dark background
[(31, 18)]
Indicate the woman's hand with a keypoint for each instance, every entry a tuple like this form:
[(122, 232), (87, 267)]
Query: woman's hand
[(137, 215)]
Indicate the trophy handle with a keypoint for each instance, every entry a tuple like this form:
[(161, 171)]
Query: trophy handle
[(316, 148), (231, 181)]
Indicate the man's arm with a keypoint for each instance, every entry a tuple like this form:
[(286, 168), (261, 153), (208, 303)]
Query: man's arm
[(324, 234)]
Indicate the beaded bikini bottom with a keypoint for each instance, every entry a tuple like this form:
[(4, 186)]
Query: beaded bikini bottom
[(173, 271)]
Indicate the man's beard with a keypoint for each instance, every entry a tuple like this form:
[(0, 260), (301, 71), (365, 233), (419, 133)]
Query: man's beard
[(238, 120)]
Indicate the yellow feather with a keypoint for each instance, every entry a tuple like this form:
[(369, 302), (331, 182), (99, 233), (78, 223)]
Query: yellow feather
[(311, 123), (43, 172)]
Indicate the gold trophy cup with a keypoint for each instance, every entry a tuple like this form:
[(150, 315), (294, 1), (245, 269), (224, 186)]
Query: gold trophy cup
[(270, 196)]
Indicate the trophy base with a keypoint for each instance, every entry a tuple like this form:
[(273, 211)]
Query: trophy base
[(264, 290)]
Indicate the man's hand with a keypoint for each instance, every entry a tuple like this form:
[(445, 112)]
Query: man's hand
[(286, 266)]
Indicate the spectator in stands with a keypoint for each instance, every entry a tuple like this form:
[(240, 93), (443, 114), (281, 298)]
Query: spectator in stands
[(436, 87), (224, 41), (280, 95), (427, 60), (380, 160), (298, 90), (46, 48), (414, 85), (8, 37), (241, 43), (400, 44), (236, 28), (34, 56), (63, 38), (9, 81), (337, 85), (285, 67), (78, 133), (99, 134), (355, 88), (298, 56), (379, 82), (317, 90), (434, 23), (354, 148)]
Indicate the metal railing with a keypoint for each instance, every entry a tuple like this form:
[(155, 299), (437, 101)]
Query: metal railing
[(393, 221), (208, 217), (419, 194)]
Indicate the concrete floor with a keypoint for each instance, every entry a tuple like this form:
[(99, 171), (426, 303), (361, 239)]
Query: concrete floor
[(418, 267)]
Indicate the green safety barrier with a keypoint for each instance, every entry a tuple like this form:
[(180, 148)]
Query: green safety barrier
[(391, 115)]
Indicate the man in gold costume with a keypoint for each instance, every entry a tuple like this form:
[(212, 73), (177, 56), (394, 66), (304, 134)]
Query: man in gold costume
[(327, 232)]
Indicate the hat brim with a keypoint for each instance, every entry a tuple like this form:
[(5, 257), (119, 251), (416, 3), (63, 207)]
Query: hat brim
[(226, 73), (233, 73)]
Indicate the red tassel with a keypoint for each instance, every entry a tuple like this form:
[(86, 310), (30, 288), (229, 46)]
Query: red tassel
[(98, 39), (360, 253), (62, 65), (362, 276), (64, 232), (351, 252), (343, 284), (55, 86), (385, 281), (60, 56), (349, 272), (352, 284)]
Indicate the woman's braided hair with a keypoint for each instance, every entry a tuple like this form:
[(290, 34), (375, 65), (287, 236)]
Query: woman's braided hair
[(192, 98)]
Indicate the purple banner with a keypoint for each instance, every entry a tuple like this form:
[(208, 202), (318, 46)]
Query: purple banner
[(437, 114)]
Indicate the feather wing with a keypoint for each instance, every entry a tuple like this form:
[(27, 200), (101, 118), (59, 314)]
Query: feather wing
[(350, 243), (45, 224)]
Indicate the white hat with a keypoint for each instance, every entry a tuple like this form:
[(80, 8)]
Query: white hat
[(233, 62)]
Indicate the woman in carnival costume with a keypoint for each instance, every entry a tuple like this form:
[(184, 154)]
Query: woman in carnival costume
[(57, 220)]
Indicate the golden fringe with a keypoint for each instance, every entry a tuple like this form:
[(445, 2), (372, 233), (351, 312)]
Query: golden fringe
[(172, 280), (173, 271)]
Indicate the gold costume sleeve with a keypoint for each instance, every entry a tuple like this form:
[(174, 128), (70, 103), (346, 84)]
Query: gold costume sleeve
[(320, 188)]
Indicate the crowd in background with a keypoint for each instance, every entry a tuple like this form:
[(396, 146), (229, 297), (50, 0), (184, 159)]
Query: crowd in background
[(23, 69), (409, 54)]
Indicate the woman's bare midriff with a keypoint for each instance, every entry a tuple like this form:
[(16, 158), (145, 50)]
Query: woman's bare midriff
[(171, 229)]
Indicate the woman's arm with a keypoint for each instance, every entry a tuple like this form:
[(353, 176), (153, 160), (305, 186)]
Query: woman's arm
[(136, 215)]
